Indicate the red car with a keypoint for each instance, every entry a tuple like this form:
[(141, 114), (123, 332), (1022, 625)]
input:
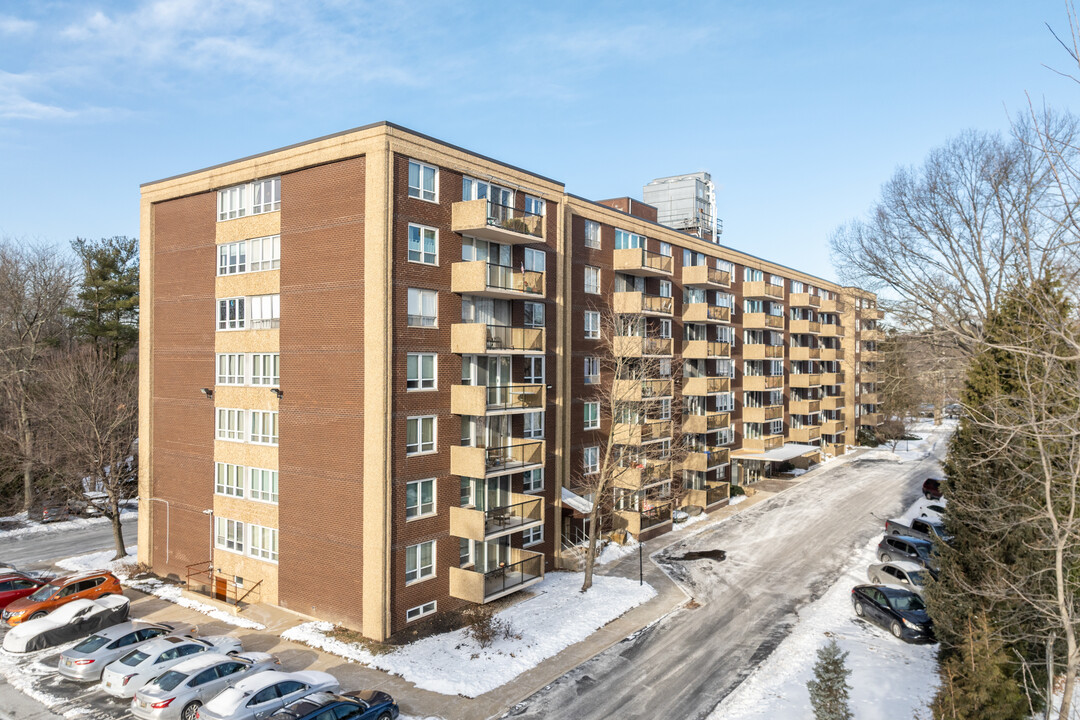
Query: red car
[(15, 585), (931, 489)]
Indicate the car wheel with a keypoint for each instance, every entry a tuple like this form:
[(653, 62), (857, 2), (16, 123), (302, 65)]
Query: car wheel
[(188, 713), (896, 630), (886, 557), (39, 614), (385, 716), (875, 579), (858, 608)]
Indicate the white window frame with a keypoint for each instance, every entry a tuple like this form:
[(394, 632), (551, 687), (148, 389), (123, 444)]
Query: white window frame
[(532, 536), (233, 202), (665, 328), (592, 288), (592, 363), (590, 460), (238, 201), (263, 485), (260, 203), (420, 572), (417, 299), (234, 427), (419, 191), (420, 383), (422, 233), (592, 415), (229, 479), (592, 324), (264, 311), (267, 243), (235, 317), (665, 288), (534, 260), (418, 509), (229, 535), (533, 425), (258, 364), (420, 444), (532, 480), (530, 366), (534, 307), (534, 205), (263, 543), (415, 613), (232, 258), (665, 249), (592, 234), (231, 369), (263, 427)]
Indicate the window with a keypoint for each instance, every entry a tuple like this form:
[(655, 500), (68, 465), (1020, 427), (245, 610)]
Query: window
[(625, 240), (229, 479), (229, 534), (534, 314), (797, 286), (752, 274), (231, 314), (264, 485), (665, 329), (420, 371), (592, 325), (465, 551), (592, 234), (419, 561), (420, 611), (262, 542), (535, 260), (532, 536), (590, 460), (423, 244), (264, 429), (592, 416), (664, 410), (419, 498), (265, 253), (534, 425), (232, 258), (252, 198), (422, 308), (420, 435), (266, 196), (264, 369), (232, 202), (230, 424), (534, 205), (592, 370), (665, 249), (534, 369), (665, 288), (423, 181), (533, 480), (265, 311), (592, 280), (230, 368)]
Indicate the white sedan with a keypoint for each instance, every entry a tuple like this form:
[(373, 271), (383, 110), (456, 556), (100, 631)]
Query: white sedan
[(258, 696), (123, 677)]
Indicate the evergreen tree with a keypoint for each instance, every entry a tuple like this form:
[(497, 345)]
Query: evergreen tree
[(106, 311), (829, 688), (977, 682)]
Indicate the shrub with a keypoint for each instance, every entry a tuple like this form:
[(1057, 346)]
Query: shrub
[(485, 627), (737, 490)]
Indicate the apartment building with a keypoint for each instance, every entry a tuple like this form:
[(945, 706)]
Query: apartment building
[(370, 363)]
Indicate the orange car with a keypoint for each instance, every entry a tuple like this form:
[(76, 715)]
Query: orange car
[(60, 591)]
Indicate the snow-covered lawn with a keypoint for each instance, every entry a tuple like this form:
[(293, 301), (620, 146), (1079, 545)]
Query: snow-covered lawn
[(35, 528), (558, 616)]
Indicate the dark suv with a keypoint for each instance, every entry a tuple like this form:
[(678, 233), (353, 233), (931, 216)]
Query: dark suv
[(931, 489), (902, 547)]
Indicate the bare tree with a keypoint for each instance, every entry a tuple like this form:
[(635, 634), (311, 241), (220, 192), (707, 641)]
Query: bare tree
[(35, 286), (88, 407)]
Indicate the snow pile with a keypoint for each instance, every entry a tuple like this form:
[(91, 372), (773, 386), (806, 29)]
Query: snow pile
[(101, 561), (614, 551), (558, 616), (736, 499), (62, 526)]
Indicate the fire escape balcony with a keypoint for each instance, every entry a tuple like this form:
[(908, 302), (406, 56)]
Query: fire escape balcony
[(498, 223), (479, 400), (486, 279)]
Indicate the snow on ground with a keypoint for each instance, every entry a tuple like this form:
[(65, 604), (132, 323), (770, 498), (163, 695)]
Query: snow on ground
[(62, 526), (101, 561), (24, 671), (890, 679), (557, 616)]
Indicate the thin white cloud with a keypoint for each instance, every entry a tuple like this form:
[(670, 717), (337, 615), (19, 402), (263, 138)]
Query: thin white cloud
[(16, 26)]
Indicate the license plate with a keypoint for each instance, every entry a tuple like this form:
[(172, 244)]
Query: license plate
[(108, 684), (67, 661), (142, 703)]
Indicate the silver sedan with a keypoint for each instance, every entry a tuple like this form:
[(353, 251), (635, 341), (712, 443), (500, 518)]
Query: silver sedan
[(88, 659), (178, 693), (123, 677), (258, 696), (903, 573)]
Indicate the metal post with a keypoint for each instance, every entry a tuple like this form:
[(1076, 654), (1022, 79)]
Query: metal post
[(641, 574)]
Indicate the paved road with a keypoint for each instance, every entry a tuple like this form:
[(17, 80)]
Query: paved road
[(29, 550), (781, 555)]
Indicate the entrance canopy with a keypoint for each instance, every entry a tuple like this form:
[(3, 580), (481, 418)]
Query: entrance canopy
[(576, 502), (780, 454)]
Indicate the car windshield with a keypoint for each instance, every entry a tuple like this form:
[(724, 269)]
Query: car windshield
[(133, 658), (43, 593), (170, 680), (92, 643), (906, 603)]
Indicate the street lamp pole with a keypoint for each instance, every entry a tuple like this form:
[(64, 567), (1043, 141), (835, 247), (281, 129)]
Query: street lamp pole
[(641, 574)]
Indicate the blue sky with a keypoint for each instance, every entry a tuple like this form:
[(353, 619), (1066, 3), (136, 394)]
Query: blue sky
[(799, 110)]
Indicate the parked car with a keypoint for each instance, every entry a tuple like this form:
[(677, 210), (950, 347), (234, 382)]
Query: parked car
[(258, 696), (898, 572), (900, 611), (916, 550), (69, 622), (178, 693), (931, 489), (88, 659), (935, 510), (918, 528), (355, 705), (123, 677), (15, 585), (88, 586)]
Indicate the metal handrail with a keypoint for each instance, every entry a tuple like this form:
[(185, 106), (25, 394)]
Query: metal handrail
[(508, 456), (503, 277), (511, 397), (505, 512), (504, 337), (505, 577), (515, 220)]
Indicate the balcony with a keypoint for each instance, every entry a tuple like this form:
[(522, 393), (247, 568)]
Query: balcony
[(635, 346), (481, 339), (497, 223), (705, 350), (497, 281), (829, 330), (799, 327), (875, 335), (638, 303), (517, 455), (496, 400), (871, 419), (804, 380), (832, 402), (643, 475), (641, 432), (706, 385), (832, 378), (870, 356), (832, 354), (497, 579), (763, 443), (804, 353), (639, 261), (709, 422), (832, 427), (762, 321), (705, 313), (635, 522), (804, 407), (834, 449), (762, 414), (806, 434), (641, 390), (762, 352), (869, 377), (706, 458), (762, 289), (521, 513), (713, 493), (804, 300), (873, 314), (706, 276), (870, 398), (762, 382)]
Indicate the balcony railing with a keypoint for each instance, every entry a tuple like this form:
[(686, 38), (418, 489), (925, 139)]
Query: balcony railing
[(640, 390), (481, 339), (869, 398), (830, 330), (705, 313), (638, 521), (873, 314), (871, 419), (499, 223), (717, 492), (804, 353), (762, 289), (800, 327), (638, 303), (832, 427), (804, 434), (705, 350), (521, 513), (706, 458), (490, 280), (636, 433), (762, 414), (762, 321), (804, 300), (496, 579), (832, 354), (756, 351), (804, 380), (706, 385), (709, 422), (496, 400), (639, 261), (515, 456), (832, 402), (764, 443), (636, 346), (637, 476), (762, 382), (804, 407), (705, 276), (264, 324), (832, 378)]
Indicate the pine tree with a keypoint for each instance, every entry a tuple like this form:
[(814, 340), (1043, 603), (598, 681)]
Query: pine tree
[(107, 309), (976, 681), (829, 688)]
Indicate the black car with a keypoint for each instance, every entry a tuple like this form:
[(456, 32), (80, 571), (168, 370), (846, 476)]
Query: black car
[(900, 611), (931, 489), (902, 547), (355, 705)]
